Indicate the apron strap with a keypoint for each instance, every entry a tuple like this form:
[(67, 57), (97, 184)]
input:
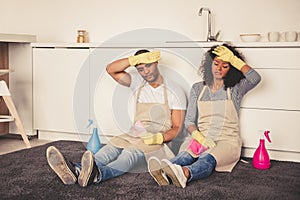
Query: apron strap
[(139, 91), (165, 93), (228, 93), (202, 92)]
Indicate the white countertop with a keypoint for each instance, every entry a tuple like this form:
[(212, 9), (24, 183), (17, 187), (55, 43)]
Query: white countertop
[(173, 44), (22, 38)]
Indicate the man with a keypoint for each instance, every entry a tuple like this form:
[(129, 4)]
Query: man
[(160, 110)]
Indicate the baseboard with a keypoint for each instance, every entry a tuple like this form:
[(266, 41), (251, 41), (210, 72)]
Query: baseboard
[(274, 154), (83, 137), (17, 136)]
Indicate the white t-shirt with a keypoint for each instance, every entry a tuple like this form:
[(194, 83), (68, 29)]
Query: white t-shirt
[(176, 97)]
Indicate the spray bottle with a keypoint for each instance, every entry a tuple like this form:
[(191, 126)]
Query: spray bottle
[(94, 143), (261, 159)]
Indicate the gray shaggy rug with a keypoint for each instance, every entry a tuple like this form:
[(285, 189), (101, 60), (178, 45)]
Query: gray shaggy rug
[(25, 174)]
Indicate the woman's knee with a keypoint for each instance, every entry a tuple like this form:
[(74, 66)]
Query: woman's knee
[(209, 163), (202, 168)]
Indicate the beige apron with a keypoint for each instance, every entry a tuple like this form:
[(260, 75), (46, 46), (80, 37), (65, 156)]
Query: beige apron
[(219, 121), (155, 117)]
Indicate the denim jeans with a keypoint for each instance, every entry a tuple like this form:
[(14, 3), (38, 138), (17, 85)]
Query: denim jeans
[(200, 167), (113, 161)]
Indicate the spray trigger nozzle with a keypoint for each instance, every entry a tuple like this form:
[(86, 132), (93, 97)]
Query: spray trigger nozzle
[(266, 133), (90, 123)]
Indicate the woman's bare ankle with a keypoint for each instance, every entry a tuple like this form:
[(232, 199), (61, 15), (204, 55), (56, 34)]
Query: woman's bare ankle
[(186, 172)]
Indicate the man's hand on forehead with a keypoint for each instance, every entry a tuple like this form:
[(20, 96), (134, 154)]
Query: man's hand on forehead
[(147, 58)]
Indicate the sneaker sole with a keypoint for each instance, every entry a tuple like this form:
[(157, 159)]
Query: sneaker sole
[(87, 168), (58, 164), (166, 167), (155, 171)]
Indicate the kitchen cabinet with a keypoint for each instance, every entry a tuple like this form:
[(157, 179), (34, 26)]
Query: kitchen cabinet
[(71, 85), (16, 54), (20, 85), (274, 104), (4, 57), (55, 73), (62, 75)]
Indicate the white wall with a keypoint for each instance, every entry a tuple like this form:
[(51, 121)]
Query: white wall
[(59, 20)]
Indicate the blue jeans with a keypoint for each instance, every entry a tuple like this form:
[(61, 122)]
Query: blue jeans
[(113, 161), (200, 167)]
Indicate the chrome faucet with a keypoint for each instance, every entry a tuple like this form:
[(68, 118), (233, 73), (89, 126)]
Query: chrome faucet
[(210, 37)]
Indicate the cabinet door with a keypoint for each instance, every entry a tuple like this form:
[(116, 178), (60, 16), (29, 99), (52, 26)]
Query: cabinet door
[(55, 74), (278, 89), (20, 84), (272, 58), (110, 106), (280, 73), (283, 125)]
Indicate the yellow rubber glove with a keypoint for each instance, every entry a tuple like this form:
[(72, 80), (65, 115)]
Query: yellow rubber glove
[(226, 55), (207, 142), (149, 57), (153, 138)]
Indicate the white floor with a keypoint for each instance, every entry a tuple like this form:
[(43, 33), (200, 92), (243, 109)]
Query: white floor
[(10, 143)]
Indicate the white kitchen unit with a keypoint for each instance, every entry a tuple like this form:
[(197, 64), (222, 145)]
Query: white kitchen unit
[(71, 85), (55, 72), (273, 105)]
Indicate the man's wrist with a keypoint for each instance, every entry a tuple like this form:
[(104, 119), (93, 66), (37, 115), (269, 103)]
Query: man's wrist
[(160, 138)]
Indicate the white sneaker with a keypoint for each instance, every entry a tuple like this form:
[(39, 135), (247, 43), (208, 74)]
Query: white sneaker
[(155, 170), (89, 170), (64, 169), (175, 172)]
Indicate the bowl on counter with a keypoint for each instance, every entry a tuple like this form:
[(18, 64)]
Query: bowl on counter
[(252, 37)]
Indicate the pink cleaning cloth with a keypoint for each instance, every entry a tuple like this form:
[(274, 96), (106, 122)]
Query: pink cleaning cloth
[(137, 130), (196, 147)]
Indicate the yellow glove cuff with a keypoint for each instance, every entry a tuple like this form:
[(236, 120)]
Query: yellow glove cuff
[(149, 57), (197, 135), (154, 139), (237, 63)]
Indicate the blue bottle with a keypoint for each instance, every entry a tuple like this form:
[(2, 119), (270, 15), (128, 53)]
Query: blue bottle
[(94, 143)]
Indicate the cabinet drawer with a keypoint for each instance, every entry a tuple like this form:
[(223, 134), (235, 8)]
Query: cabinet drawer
[(285, 58), (284, 127), (279, 89)]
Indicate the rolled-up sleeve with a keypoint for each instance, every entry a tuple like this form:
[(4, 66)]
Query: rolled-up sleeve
[(252, 78), (192, 110)]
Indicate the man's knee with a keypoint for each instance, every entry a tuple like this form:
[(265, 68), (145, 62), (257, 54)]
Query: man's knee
[(133, 152)]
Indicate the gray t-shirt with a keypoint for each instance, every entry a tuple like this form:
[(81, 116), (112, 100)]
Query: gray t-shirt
[(252, 78)]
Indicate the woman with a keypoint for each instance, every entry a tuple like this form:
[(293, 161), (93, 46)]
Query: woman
[(212, 119)]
